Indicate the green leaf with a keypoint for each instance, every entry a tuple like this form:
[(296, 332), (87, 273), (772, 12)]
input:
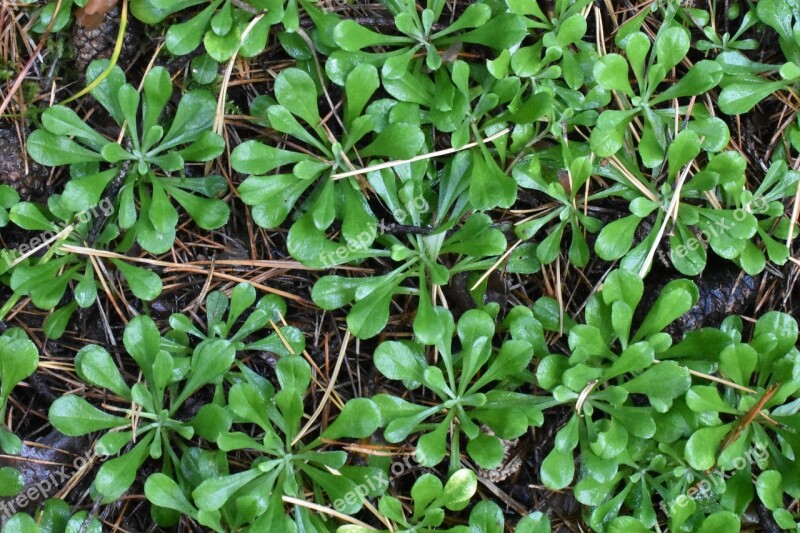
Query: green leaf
[(671, 46), (611, 72), (209, 362), (500, 32), (352, 37), (536, 522), (557, 469), (720, 521), (211, 421), (675, 299), (31, 217), (213, 493), (741, 96), (11, 483), (490, 186), (661, 383), (702, 447), (56, 322), (360, 85), (684, 148), (20, 522), (61, 120), (195, 114), (73, 416), (272, 196), (19, 358), (253, 157), (476, 237), (769, 487), (117, 475), (295, 90), (144, 284), (56, 150), (458, 490), (360, 418), (94, 365), (208, 213), (486, 450), (142, 340), (400, 360), (616, 238), (161, 490), (185, 37), (432, 446), (706, 398), (396, 141), (370, 314), (293, 374), (486, 516)]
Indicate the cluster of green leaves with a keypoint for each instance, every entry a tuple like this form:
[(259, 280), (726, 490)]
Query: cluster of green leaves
[(646, 430), (421, 260), (274, 196), (538, 174), (739, 225), (422, 35), (431, 499), (222, 322), (475, 387), (164, 413), (284, 464), (46, 280), (743, 86), (220, 25), (154, 421), (650, 70), (570, 126), (147, 150)]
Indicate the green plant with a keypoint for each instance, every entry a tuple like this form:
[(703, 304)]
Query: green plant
[(154, 419), (742, 87), (474, 388), (421, 32), (274, 196), (762, 401), (558, 51), (433, 249), (727, 224), (725, 42), (564, 187), (46, 281), (285, 465), (269, 310), (146, 149), (431, 499), (220, 25), (612, 130), (608, 364)]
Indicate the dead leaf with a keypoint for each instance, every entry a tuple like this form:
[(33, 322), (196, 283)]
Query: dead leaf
[(91, 15)]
